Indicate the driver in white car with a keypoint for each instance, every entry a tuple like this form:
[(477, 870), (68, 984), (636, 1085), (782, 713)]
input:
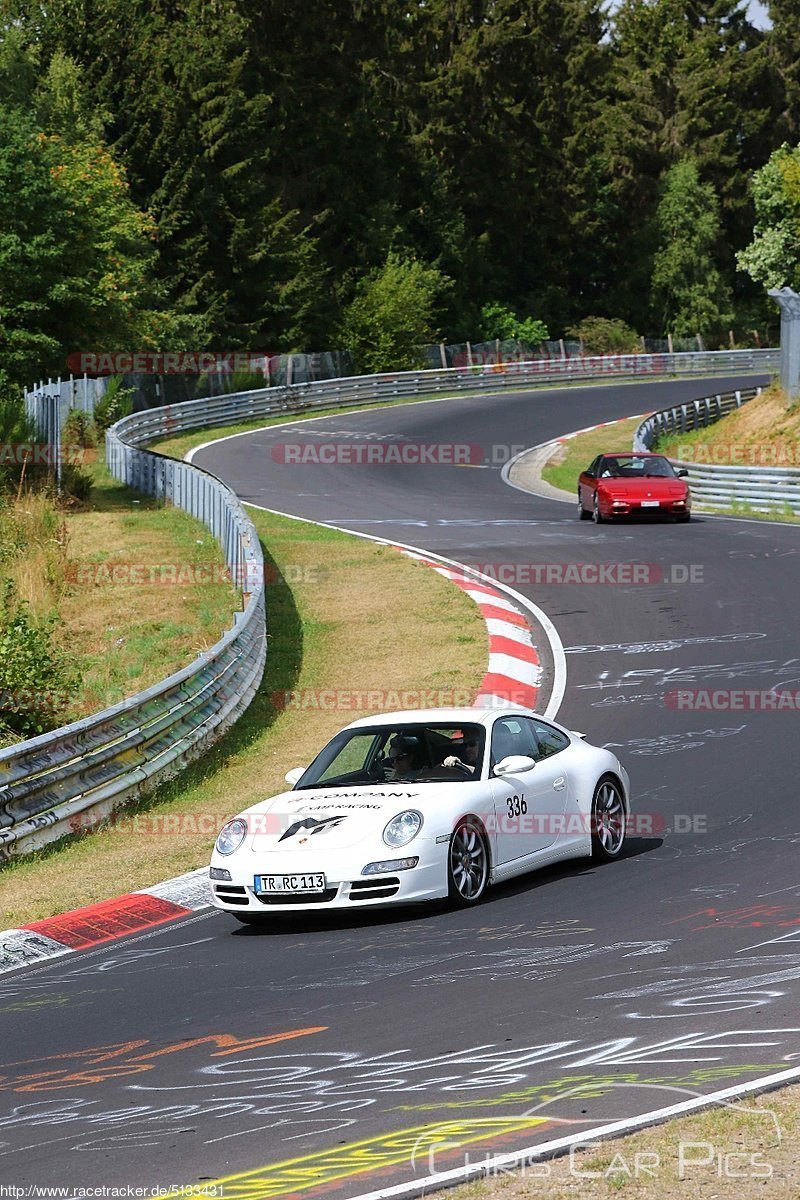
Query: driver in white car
[(467, 759)]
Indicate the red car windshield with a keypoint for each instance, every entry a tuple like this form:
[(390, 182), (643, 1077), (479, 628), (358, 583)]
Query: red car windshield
[(632, 466)]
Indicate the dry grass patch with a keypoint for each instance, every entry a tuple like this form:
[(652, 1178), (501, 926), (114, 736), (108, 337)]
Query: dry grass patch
[(358, 617), (147, 592), (739, 1152), (763, 432)]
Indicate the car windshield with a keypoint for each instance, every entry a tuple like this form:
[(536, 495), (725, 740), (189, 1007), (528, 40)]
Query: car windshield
[(395, 753), (634, 466)]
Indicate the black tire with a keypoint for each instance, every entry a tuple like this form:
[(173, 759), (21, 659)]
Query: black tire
[(467, 863), (597, 516), (583, 513), (683, 518), (609, 820)]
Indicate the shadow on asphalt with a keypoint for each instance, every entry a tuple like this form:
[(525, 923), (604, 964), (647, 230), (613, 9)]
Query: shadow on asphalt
[(291, 924)]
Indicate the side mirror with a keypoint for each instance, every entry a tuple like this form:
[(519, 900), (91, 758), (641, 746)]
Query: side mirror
[(577, 733), (683, 472), (294, 775), (515, 764)]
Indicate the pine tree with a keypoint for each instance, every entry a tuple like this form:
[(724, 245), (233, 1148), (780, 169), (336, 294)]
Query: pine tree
[(690, 80), (784, 50)]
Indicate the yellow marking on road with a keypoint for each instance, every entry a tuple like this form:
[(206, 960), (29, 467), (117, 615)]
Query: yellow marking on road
[(422, 1147)]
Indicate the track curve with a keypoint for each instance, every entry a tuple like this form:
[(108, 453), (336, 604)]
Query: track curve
[(334, 1057)]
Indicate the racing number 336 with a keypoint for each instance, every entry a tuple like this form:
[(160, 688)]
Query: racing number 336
[(516, 806)]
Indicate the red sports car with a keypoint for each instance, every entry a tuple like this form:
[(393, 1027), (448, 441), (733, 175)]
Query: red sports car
[(625, 484)]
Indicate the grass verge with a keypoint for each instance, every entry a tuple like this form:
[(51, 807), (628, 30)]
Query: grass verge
[(764, 432), (135, 590), (574, 456), (345, 616), (147, 591), (744, 1150)]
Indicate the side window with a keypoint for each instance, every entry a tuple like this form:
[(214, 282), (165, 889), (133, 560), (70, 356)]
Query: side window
[(549, 740), (513, 735), (592, 470)]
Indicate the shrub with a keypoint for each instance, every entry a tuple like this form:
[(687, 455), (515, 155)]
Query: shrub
[(497, 321), (76, 485), (392, 315), (605, 335), (37, 680), (15, 430), (113, 406), (79, 429)]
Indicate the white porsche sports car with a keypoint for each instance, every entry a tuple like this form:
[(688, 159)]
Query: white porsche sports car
[(424, 805)]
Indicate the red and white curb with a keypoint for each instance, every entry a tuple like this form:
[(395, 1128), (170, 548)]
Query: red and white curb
[(514, 673), (603, 425), (105, 921), (513, 677)]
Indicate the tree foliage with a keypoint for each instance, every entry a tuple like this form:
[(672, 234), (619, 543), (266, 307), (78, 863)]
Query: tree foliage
[(688, 288), (498, 321), (773, 257), (602, 335), (74, 249), (393, 314), (233, 175)]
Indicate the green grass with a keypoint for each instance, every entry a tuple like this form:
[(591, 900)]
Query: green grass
[(330, 630), (148, 592), (574, 456)]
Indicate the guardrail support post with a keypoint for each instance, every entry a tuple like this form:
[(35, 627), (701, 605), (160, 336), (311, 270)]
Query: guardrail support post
[(789, 304)]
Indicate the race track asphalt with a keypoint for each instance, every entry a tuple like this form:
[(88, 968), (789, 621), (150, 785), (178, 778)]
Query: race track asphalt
[(335, 1056)]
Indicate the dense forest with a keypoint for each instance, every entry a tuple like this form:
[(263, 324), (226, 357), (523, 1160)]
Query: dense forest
[(229, 174)]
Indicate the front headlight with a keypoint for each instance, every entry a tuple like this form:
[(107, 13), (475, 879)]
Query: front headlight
[(231, 836), (402, 828)]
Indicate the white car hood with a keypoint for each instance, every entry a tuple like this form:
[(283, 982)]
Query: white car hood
[(327, 818)]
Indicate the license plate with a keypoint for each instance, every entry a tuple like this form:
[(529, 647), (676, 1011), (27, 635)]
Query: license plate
[(651, 503), (277, 885)]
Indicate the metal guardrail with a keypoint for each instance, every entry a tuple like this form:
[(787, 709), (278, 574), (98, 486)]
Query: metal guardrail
[(74, 776), (71, 778), (241, 407), (761, 488), (694, 414), (360, 389)]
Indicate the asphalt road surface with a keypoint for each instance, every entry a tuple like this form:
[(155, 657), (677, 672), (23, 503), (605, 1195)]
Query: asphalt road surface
[(338, 1055)]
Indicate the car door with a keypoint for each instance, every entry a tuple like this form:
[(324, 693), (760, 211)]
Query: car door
[(588, 483), (529, 806)]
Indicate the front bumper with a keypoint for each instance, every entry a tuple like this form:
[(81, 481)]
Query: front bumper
[(345, 887), (630, 507)]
